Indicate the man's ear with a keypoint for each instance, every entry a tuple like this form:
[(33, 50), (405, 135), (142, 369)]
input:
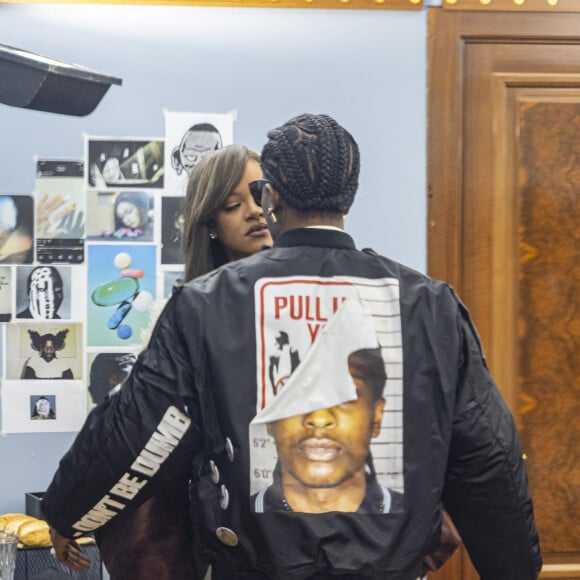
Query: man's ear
[(379, 408), (276, 201)]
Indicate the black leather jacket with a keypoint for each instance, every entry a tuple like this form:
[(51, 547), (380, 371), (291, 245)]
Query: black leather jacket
[(184, 412)]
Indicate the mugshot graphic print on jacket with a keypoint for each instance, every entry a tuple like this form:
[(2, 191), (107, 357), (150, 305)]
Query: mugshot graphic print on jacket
[(327, 435)]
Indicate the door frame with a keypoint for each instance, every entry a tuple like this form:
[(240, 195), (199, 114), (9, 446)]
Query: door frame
[(448, 220)]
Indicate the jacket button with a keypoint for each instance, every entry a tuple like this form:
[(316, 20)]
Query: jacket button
[(229, 449), (214, 472), (227, 537), (225, 497)]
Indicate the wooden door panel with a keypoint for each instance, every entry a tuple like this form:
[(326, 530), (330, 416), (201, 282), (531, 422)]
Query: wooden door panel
[(548, 201), (504, 192)]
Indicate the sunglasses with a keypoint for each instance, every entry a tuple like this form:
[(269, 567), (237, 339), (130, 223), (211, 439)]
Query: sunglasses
[(256, 189)]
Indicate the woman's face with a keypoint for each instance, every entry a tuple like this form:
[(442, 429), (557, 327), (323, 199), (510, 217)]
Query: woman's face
[(129, 214), (240, 223)]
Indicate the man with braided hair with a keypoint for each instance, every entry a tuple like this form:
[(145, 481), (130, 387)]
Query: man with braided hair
[(200, 397)]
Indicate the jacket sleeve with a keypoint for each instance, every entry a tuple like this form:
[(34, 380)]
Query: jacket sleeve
[(135, 440), (486, 488)]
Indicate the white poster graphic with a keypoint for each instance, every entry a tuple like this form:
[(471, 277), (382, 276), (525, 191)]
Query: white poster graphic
[(327, 435), (43, 406), (188, 138)]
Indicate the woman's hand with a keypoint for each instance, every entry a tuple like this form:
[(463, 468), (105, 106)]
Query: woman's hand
[(69, 553)]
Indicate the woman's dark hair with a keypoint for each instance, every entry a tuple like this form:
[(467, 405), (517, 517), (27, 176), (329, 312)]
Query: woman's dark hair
[(210, 183), (313, 162)]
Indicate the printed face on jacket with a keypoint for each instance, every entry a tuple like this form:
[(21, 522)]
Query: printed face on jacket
[(323, 453), (326, 436)]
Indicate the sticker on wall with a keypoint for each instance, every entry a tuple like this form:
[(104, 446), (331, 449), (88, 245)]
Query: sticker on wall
[(50, 351), (172, 222), (60, 212), (16, 229), (120, 216), (46, 292), (107, 371), (5, 293), (171, 279), (133, 163), (121, 290), (43, 406), (188, 138)]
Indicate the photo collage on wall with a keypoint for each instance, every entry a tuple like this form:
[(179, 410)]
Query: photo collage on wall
[(86, 262)]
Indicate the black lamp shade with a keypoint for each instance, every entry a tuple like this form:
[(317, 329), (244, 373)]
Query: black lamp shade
[(32, 81)]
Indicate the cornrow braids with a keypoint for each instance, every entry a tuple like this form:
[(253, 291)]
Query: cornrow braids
[(313, 162)]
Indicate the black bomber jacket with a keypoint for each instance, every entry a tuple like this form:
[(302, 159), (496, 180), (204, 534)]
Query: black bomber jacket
[(226, 347)]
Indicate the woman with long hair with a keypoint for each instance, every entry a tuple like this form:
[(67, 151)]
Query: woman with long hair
[(221, 223)]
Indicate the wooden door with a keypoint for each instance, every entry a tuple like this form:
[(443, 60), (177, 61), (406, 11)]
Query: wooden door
[(504, 230)]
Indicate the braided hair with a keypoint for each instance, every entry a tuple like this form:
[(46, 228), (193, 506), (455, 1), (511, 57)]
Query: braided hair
[(313, 162)]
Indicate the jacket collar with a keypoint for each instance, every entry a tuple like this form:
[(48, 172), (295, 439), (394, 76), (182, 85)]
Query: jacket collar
[(322, 238)]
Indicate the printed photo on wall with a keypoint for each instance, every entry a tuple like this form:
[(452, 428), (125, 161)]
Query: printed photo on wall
[(2, 344), (172, 222), (43, 406), (107, 371), (50, 292), (171, 279), (133, 163), (188, 138), (60, 211), (329, 397), (43, 292), (120, 216), (16, 229), (5, 293), (44, 351), (121, 291)]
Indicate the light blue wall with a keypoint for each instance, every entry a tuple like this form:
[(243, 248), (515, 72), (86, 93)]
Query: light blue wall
[(365, 68)]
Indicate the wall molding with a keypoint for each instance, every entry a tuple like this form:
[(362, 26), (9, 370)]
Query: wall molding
[(302, 4)]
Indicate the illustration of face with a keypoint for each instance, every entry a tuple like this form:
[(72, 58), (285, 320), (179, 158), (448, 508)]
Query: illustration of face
[(43, 407), (129, 214), (46, 292), (327, 447), (48, 351), (195, 145), (239, 223)]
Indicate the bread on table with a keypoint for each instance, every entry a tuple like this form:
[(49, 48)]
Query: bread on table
[(32, 532)]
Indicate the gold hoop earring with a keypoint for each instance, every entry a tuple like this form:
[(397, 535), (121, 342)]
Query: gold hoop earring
[(272, 215)]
